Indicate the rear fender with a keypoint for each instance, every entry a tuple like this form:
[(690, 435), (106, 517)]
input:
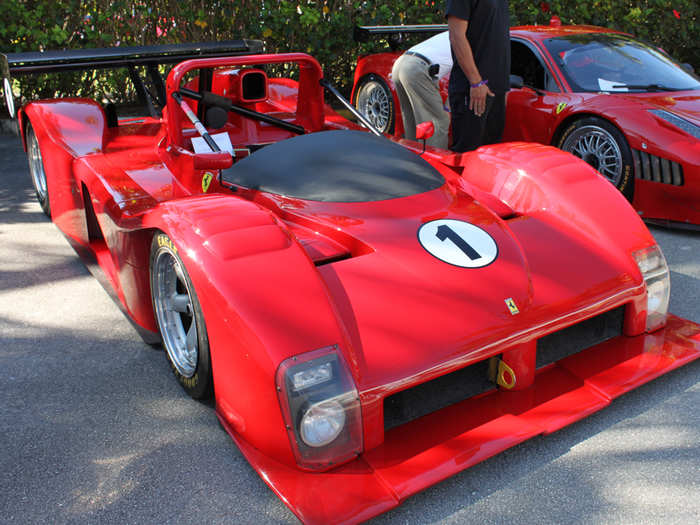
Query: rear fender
[(379, 64), (262, 300), (65, 129), (78, 125)]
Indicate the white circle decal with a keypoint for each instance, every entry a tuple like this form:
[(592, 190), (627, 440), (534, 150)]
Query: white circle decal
[(9, 99), (458, 243)]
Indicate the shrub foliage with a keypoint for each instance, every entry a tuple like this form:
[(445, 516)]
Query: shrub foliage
[(322, 28)]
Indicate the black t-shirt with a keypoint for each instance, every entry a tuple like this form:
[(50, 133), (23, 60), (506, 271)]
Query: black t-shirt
[(488, 34)]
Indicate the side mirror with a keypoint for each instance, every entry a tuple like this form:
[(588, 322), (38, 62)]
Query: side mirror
[(688, 67), (516, 82), (213, 161), (425, 130)]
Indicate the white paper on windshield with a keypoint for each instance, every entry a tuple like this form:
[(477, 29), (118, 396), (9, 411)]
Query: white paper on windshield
[(607, 85), (222, 140)]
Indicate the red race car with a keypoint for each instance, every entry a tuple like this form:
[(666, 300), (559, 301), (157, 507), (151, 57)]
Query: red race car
[(370, 318), (623, 106)]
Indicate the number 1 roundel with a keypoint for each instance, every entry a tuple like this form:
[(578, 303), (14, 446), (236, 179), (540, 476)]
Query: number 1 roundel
[(458, 243)]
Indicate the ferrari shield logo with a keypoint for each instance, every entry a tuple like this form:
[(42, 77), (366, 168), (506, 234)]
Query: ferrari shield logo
[(512, 307), (561, 107), (206, 181)]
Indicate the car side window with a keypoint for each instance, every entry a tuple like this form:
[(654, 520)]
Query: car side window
[(528, 65), (549, 83)]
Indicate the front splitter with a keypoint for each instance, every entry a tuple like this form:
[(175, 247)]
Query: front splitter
[(423, 452)]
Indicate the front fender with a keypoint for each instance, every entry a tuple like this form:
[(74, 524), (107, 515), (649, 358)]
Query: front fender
[(262, 300), (545, 182)]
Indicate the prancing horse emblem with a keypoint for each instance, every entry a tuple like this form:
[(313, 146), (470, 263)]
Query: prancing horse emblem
[(512, 306), (206, 181)]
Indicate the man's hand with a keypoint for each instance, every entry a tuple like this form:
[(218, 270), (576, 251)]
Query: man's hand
[(477, 99)]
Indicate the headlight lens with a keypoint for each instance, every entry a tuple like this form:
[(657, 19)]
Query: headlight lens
[(652, 264), (688, 127), (322, 423), (321, 408)]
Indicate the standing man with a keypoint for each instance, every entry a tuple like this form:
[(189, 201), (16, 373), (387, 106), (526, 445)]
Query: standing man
[(480, 41), (416, 75)]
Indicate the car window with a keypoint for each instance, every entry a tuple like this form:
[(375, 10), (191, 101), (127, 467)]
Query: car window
[(593, 62), (528, 65)]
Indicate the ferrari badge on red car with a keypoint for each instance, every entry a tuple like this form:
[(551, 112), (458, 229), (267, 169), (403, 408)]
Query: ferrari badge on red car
[(458, 243), (512, 307), (206, 181)]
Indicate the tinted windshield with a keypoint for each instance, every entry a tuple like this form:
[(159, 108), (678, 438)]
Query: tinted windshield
[(610, 62)]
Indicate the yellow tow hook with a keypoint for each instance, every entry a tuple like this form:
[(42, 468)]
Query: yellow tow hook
[(501, 373)]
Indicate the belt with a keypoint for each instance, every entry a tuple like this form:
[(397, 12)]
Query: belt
[(418, 55)]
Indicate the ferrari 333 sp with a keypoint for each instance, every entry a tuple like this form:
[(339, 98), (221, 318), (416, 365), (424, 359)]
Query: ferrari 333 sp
[(371, 318)]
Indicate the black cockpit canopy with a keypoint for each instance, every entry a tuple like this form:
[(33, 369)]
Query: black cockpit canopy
[(336, 166)]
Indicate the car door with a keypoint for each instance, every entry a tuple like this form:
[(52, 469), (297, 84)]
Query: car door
[(533, 110)]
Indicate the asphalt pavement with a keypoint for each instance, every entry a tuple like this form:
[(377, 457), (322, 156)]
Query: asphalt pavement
[(94, 428)]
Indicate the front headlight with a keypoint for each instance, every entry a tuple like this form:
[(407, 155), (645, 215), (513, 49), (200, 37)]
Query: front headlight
[(688, 127), (321, 408), (322, 423), (652, 264)]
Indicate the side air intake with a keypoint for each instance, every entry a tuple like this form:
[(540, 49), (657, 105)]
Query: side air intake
[(657, 169)]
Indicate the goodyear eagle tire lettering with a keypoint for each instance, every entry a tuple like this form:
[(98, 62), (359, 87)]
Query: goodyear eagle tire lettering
[(180, 320)]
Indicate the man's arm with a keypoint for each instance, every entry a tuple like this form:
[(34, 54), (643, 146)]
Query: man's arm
[(465, 57)]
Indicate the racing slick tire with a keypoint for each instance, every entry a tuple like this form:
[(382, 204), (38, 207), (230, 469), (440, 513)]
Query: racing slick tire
[(374, 100), (605, 148), (180, 319), (36, 170)]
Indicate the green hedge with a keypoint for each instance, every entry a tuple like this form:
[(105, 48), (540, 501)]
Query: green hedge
[(320, 27)]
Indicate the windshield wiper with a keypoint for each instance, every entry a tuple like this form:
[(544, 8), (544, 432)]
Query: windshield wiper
[(645, 87)]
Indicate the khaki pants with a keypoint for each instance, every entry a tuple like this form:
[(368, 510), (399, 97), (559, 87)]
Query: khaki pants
[(420, 99)]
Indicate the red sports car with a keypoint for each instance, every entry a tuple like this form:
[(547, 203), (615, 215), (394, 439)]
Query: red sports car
[(370, 318), (623, 106)]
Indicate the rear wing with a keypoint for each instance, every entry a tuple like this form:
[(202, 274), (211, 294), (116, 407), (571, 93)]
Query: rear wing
[(395, 35), (18, 64)]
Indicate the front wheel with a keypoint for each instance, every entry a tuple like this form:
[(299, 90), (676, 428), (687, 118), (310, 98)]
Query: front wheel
[(36, 170), (604, 147), (374, 101), (180, 319)]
